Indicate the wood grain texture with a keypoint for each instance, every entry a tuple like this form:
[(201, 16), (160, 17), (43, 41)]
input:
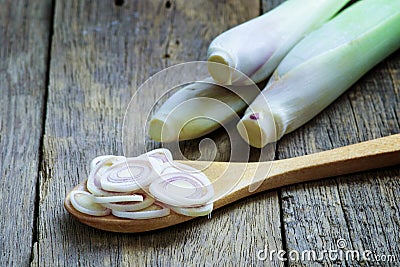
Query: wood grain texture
[(24, 35), (100, 54)]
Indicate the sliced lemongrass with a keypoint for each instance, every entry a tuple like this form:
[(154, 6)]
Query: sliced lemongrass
[(130, 175), (193, 211), (145, 214), (161, 154), (174, 167), (99, 159), (182, 189), (93, 183), (83, 202), (122, 198), (158, 158), (131, 206)]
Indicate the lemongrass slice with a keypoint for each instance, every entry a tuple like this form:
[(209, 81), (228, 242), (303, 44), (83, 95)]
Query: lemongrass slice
[(161, 154), (175, 167), (93, 183), (131, 206), (99, 159), (122, 198), (182, 189), (159, 159), (146, 214), (131, 175), (83, 202), (194, 211)]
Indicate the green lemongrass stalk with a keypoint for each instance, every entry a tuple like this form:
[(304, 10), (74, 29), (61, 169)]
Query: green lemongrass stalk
[(257, 46), (321, 67), (198, 109)]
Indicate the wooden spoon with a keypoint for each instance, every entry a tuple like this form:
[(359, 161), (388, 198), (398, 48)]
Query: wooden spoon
[(377, 153)]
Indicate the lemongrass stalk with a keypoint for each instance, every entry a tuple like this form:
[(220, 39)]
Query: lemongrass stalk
[(321, 67), (198, 109), (257, 46)]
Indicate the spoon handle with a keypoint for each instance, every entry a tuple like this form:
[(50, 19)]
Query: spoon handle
[(261, 176), (377, 153)]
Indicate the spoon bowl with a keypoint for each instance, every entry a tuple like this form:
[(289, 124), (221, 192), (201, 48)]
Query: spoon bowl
[(378, 153)]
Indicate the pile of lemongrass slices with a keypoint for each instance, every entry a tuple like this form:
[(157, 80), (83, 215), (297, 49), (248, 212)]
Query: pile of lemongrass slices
[(143, 187)]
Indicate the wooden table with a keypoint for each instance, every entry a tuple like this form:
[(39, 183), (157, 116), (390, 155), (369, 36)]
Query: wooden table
[(67, 72)]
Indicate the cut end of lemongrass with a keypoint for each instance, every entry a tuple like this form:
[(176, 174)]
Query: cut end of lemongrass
[(170, 130), (155, 129), (220, 67), (257, 129), (160, 131), (195, 128)]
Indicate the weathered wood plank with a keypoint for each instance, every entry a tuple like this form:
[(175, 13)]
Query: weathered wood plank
[(270, 4), (100, 53), (358, 208), (24, 36)]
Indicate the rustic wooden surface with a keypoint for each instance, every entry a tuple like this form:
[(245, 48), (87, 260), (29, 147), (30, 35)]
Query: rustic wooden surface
[(24, 35), (57, 114)]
